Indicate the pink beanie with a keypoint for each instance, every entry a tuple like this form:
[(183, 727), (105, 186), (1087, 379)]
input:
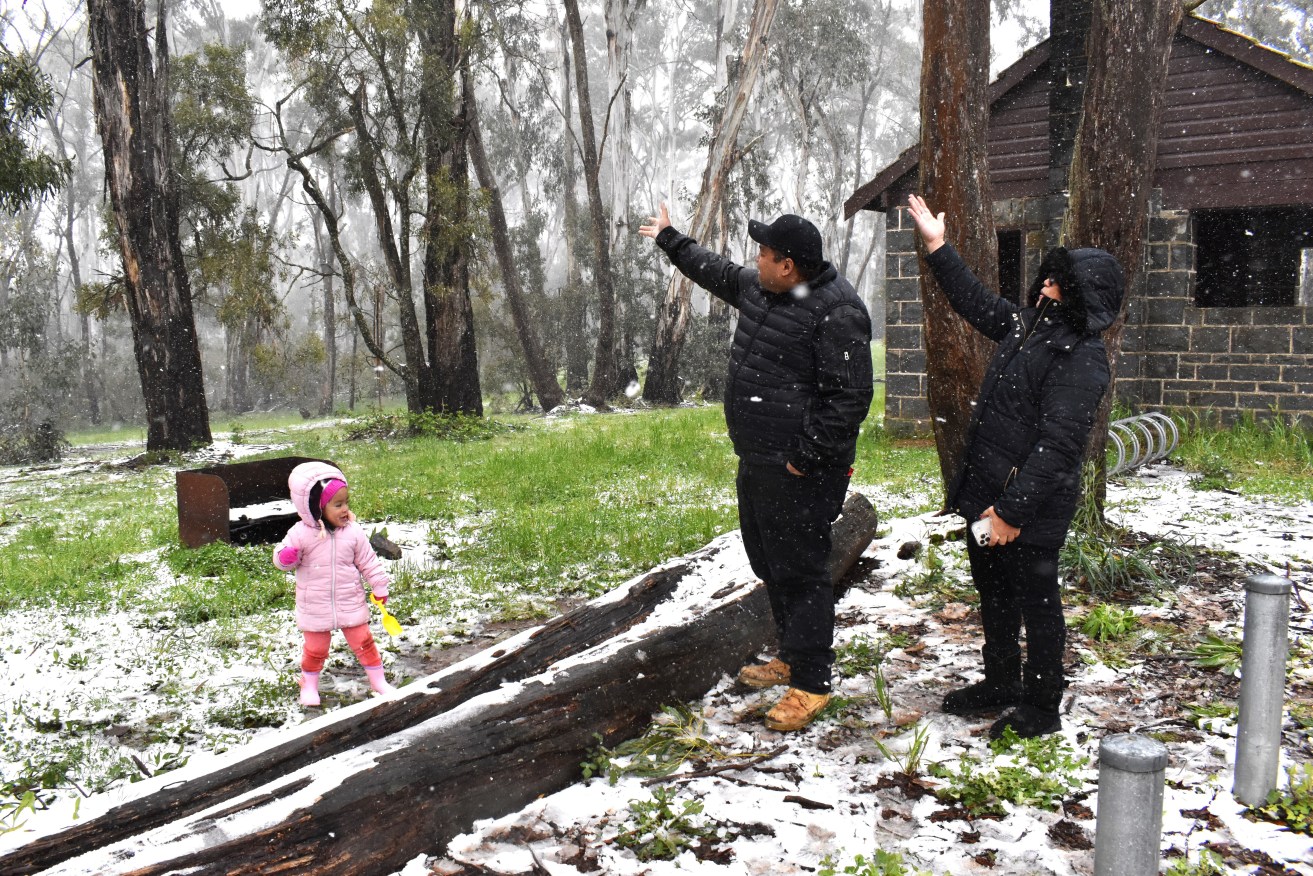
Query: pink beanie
[(330, 490)]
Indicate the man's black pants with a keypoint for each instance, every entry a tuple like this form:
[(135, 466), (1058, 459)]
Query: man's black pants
[(1019, 582), (785, 520)]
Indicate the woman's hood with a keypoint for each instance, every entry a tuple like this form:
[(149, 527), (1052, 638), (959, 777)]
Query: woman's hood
[(303, 479), (1092, 286)]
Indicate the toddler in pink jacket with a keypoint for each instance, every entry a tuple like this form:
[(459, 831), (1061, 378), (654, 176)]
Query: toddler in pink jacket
[(330, 553)]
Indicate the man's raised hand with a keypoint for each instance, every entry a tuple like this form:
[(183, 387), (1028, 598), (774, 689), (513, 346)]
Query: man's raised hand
[(930, 226), (655, 223)]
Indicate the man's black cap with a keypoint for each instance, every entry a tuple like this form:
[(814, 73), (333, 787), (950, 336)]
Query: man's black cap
[(791, 236)]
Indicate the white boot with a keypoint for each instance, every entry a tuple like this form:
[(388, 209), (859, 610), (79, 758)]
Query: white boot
[(378, 682), (309, 689)]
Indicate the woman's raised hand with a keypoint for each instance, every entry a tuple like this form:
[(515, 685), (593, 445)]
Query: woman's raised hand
[(930, 226)]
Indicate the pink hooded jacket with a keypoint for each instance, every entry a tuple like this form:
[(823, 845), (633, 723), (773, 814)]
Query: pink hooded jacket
[(330, 563)]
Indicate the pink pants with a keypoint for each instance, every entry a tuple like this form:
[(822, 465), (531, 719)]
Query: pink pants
[(315, 650)]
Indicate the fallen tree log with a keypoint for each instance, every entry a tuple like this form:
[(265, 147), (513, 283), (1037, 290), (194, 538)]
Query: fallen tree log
[(365, 789)]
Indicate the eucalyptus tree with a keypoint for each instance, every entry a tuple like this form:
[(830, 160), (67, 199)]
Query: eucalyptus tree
[(1114, 157), (605, 368), (380, 87), (27, 173), (132, 92), (954, 178), (663, 382)]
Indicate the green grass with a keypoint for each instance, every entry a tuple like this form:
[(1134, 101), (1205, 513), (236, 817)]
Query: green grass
[(1268, 457)]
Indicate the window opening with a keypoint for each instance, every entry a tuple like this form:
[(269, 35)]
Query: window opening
[(1011, 265), (1247, 258)]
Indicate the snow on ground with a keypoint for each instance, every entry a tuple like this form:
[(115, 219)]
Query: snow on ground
[(148, 702), (831, 794)]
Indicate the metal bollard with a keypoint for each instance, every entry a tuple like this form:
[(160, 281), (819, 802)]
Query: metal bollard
[(1128, 831), (1262, 687)]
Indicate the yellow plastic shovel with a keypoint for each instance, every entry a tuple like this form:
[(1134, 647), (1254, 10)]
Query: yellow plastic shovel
[(390, 623)]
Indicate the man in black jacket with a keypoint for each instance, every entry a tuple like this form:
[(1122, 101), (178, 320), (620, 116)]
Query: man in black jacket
[(1022, 468), (799, 386)]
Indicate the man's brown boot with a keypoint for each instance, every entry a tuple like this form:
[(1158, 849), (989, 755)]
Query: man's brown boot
[(765, 674), (796, 710)]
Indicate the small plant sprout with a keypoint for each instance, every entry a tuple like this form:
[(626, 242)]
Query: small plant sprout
[(1292, 807), (1218, 652), (1107, 623), (1038, 772), (908, 760), (1209, 863), (661, 828), (882, 863)]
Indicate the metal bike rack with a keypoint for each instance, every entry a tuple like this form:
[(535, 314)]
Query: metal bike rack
[(1141, 440)]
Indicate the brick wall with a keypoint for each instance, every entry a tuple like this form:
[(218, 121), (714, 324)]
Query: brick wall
[(1229, 360)]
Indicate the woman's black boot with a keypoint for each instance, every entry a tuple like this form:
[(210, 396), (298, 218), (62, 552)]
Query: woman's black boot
[(1038, 713), (1001, 687)]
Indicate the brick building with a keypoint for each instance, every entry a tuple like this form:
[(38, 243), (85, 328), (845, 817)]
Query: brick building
[(1221, 316)]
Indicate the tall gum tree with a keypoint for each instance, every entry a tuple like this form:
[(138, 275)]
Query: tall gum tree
[(605, 368), (955, 179), (1113, 162), (132, 113), (663, 383)]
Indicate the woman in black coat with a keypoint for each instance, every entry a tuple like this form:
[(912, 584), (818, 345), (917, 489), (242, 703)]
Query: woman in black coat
[(1022, 467)]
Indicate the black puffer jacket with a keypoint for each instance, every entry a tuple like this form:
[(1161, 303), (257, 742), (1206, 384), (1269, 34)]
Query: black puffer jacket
[(1038, 400), (800, 379)]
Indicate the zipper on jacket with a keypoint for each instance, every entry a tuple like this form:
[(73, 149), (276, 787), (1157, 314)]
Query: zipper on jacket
[(332, 576)]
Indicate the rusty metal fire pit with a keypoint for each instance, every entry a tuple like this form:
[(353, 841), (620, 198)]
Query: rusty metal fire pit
[(214, 503)]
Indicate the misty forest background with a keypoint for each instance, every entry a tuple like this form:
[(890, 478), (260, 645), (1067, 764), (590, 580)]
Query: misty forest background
[(340, 204)]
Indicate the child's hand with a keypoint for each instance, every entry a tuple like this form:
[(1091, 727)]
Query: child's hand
[(382, 600), (289, 555)]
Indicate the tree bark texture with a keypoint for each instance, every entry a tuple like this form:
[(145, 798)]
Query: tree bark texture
[(574, 302), (363, 791), (955, 179), (1116, 150), (605, 367), (541, 373), (663, 383), (453, 387), (131, 95)]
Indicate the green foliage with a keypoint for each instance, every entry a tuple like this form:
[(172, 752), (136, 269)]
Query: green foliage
[(1026, 772), (1209, 863), (661, 828), (674, 737), (259, 704), (1292, 807), (863, 655), (26, 174), (909, 760), (1218, 652), (881, 864), (934, 586), (220, 580), (427, 424), (1106, 623), (1268, 456)]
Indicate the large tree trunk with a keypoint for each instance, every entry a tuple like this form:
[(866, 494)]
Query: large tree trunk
[(453, 356), (605, 368), (541, 373), (955, 179), (365, 791), (574, 304), (1112, 169), (132, 112), (663, 381)]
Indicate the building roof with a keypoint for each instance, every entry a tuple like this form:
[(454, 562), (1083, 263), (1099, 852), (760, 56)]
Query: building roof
[(1237, 128)]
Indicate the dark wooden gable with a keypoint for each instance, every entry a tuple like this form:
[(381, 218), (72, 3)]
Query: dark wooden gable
[(1237, 129)]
